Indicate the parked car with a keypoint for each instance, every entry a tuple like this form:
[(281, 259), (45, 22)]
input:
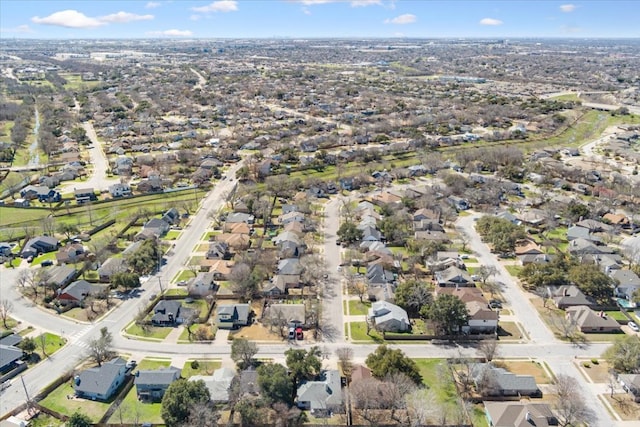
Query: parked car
[(182, 283), (131, 364), (633, 326), (495, 304), (46, 263)]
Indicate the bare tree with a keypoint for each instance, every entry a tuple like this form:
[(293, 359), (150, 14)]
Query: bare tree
[(6, 307), (485, 272), (488, 348), (100, 348), (571, 408), (42, 342), (345, 358)]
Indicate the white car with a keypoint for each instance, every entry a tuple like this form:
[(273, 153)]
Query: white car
[(633, 326)]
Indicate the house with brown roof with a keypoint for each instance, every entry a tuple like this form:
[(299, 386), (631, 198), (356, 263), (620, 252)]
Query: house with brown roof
[(236, 228), (219, 267), (587, 320), (234, 241), (617, 219), (528, 248)]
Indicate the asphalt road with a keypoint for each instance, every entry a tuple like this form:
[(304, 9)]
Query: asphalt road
[(98, 160), (332, 311)]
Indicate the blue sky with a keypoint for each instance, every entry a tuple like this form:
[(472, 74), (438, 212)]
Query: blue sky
[(318, 18)]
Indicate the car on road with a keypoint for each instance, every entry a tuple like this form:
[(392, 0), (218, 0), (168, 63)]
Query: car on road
[(182, 283), (633, 326)]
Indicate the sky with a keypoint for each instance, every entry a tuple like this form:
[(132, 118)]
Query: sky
[(182, 19)]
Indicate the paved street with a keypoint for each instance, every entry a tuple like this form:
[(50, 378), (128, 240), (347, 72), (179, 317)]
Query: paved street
[(559, 356)]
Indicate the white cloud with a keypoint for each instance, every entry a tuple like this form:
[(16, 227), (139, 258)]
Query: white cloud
[(20, 29), (568, 8), (152, 5), (218, 6), (122, 17), (195, 17), (171, 33), (365, 3), (69, 19), (490, 21), (407, 18), (306, 11)]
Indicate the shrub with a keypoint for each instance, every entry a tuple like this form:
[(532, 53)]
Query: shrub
[(195, 364), (594, 361), (586, 364)]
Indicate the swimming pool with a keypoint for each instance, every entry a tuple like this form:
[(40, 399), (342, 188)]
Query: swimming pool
[(625, 303)]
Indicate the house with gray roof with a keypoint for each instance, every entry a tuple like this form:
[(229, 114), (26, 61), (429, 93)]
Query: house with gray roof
[(9, 357), (628, 283), (100, 383), (568, 296), (240, 217), (233, 316), (152, 384), (388, 317), (631, 384), (452, 277), (110, 267), (40, 244), (322, 397), (577, 232), (289, 266), (218, 384), (519, 414), (169, 313), (78, 291), (61, 275), (493, 381)]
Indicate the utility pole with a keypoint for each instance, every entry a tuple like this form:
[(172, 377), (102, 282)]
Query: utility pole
[(26, 392), (160, 284)]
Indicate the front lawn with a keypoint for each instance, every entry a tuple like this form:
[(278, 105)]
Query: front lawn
[(357, 308), (617, 315), (59, 400), (437, 376), (183, 275), (203, 367), (52, 344), (152, 364), (133, 411), (513, 270), (151, 333), (359, 333), (172, 235), (520, 367)]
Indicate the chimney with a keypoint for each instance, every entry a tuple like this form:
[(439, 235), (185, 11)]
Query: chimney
[(565, 292)]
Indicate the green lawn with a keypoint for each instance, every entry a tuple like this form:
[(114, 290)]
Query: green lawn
[(514, 270), (358, 308), (132, 411), (617, 315), (151, 364), (172, 235), (199, 305), (57, 400), (44, 420), (152, 333), (53, 343), (359, 333), (47, 256), (437, 376), (176, 291), (205, 367)]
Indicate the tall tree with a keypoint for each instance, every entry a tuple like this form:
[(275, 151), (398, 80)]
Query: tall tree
[(592, 282), (100, 349), (386, 361), (624, 355), (412, 295), (180, 398), (448, 313), (303, 364), (6, 306), (78, 419), (571, 408), (242, 352), (274, 383)]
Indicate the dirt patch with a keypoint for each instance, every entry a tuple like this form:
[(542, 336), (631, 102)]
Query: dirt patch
[(625, 407), (597, 373), (257, 332), (526, 368), (86, 314)]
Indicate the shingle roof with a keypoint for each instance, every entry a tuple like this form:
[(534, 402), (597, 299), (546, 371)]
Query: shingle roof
[(164, 376), (98, 380)]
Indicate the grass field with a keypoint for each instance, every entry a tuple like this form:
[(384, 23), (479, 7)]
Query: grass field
[(58, 401), (359, 333), (53, 343), (153, 333), (132, 411), (204, 367), (357, 308), (151, 364), (520, 367)]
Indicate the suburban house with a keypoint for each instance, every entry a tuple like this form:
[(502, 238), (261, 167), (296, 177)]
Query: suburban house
[(42, 193), (289, 266), (280, 284), (83, 195), (152, 384), (568, 296), (169, 313), (70, 254), (492, 381), (78, 291), (203, 284), (100, 383), (218, 250), (120, 190), (289, 313), (481, 318), (519, 414), (588, 320), (155, 227), (10, 355), (322, 397), (453, 277), (172, 216), (218, 384), (220, 268), (61, 275), (40, 244), (240, 217), (388, 317), (628, 283), (233, 316), (234, 240), (582, 246), (631, 384), (577, 232), (110, 267)]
